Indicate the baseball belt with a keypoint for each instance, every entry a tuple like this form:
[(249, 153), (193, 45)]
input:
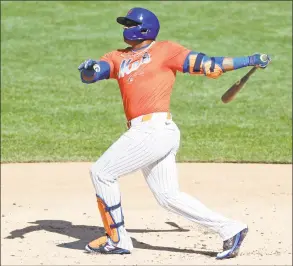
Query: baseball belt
[(147, 117)]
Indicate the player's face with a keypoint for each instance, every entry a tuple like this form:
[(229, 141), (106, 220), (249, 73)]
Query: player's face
[(132, 43), (128, 24)]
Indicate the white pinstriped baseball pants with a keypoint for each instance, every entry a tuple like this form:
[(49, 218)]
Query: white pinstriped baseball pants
[(152, 147)]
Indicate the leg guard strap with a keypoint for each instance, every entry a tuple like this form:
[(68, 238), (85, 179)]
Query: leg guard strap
[(117, 225), (111, 208)]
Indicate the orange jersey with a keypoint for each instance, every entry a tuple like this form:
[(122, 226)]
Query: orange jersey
[(146, 76)]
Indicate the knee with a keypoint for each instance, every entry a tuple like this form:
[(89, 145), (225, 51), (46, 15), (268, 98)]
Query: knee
[(94, 173), (166, 200), (100, 175)]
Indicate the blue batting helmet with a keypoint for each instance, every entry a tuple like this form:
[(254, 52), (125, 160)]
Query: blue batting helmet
[(143, 24)]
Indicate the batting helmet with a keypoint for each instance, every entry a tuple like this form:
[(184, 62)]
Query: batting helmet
[(143, 24)]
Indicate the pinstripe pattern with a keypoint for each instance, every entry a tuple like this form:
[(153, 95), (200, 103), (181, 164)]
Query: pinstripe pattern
[(140, 146), (162, 179), (152, 147)]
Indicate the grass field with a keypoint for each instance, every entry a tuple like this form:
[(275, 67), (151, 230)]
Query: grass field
[(47, 114)]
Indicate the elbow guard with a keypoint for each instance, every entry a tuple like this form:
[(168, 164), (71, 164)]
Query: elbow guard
[(101, 71), (201, 64)]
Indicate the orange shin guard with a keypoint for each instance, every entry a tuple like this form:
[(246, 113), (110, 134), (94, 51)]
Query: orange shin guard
[(109, 223)]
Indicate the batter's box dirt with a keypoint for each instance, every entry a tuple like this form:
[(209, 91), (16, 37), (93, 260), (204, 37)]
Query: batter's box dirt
[(49, 214)]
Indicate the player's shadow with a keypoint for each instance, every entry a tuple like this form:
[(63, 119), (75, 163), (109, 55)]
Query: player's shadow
[(85, 234)]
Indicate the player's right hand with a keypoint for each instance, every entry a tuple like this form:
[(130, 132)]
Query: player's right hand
[(259, 60), (87, 64)]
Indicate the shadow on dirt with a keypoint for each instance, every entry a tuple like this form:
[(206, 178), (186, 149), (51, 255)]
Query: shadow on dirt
[(85, 234)]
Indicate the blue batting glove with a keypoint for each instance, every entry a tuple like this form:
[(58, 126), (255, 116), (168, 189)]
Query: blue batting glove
[(88, 64), (81, 66), (259, 60)]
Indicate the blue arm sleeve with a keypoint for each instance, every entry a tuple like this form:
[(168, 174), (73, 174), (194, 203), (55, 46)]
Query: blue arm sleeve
[(102, 71), (229, 63), (194, 63)]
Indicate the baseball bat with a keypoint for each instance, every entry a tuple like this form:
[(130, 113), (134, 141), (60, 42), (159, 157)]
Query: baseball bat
[(229, 95)]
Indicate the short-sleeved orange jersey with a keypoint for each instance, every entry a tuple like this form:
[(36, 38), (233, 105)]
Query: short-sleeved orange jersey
[(146, 76)]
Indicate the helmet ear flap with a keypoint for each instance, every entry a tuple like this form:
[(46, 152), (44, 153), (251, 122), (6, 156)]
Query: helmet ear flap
[(144, 30)]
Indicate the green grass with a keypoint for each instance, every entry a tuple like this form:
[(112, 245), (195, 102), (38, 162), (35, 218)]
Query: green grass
[(47, 114)]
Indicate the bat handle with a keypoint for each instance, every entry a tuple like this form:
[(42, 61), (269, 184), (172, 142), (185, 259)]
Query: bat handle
[(251, 71)]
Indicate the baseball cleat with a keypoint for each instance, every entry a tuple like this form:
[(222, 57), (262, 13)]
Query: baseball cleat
[(104, 245), (232, 245)]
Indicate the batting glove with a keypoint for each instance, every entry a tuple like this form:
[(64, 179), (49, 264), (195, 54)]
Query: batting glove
[(259, 60), (88, 64)]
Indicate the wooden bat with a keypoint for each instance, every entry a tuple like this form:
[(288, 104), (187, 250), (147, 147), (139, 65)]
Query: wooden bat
[(229, 95)]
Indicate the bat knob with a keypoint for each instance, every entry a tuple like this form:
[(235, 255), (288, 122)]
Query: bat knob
[(264, 57)]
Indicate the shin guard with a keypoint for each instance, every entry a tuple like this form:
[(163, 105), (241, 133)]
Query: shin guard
[(110, 225)]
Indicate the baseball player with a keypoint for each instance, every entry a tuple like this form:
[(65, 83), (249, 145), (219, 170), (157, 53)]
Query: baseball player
[(145, 72)]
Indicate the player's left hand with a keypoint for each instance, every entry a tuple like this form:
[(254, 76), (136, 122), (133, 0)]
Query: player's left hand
[(259, 60), (87, 64)]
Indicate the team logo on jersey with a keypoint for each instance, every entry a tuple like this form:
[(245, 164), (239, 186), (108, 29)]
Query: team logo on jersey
[(126, 67)]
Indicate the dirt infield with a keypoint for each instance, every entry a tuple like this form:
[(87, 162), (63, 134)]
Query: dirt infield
[(48, 214)]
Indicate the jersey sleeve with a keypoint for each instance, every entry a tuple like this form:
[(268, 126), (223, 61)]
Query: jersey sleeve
[(109, 58), (176, 55)]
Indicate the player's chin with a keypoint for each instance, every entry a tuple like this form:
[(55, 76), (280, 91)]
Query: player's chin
[(129, 42), (133, 42)]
